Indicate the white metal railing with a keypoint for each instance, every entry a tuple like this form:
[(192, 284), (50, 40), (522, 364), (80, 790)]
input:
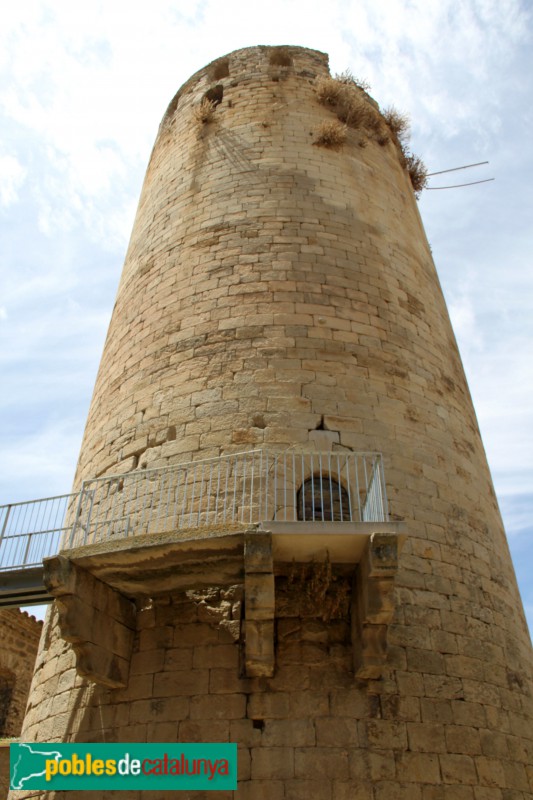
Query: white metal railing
[(33, 530), (239, 488)]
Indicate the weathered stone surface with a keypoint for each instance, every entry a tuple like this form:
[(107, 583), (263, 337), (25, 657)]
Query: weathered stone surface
[(373, 604), (19, 636), (95, 619)]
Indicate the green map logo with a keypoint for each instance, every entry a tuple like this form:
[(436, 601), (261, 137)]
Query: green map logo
[(211, 766)]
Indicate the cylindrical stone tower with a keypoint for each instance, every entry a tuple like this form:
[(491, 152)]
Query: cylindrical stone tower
[(279, 293)]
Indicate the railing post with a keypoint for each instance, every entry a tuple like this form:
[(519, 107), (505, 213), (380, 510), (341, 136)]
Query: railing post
[(4, 526), (26, 552), (383, 489), (78, 510)]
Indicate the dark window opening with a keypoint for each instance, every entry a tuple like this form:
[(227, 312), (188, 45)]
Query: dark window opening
[(323, 499), (219, 70), (215, 94), (280, 57)]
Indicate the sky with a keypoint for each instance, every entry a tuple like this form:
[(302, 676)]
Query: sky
[(83, 87)]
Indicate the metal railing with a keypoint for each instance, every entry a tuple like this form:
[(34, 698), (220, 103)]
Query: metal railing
[(33, 530), (239, 488)]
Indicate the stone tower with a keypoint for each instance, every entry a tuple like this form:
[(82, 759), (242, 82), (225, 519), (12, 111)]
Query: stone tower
[(279, 296)]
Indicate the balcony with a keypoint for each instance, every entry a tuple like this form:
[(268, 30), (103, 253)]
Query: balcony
[(237, 519), (237, 489)]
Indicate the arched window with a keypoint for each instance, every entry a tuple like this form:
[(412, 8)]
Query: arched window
[(323, 499)]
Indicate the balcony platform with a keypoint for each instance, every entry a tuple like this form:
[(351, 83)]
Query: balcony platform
[(195, 558), (98, 586)]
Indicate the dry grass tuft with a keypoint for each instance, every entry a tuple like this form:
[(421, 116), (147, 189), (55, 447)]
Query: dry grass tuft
[(345, 96), (328, 91), (205, 112), (349, 79), (417, 171), (397, 123), (353, 111), (330, 133), (321, 591)]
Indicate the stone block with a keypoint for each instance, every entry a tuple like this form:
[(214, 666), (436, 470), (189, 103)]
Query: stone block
[(259, 648), (289, 733), (316, 789), (204, 731), (311, 704), (336, 732), (224, 656), (426, 661), (381, 765), (258, 552), (486, 793), (458, 769), (259, 594), (268, 705), (351, 790), (244, 763), (175, 658), (441, 686), (222, 706), (272, 763), (261, 790), (181, 683), (405, 709), (317, 763), (393, 790), (194, 634), (227, 681), (465, 739), (426, 737), (386, 734), (354, 703), (433, 710), (490, 772)]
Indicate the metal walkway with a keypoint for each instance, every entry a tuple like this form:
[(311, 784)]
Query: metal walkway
[(30, 532), (244, 488)]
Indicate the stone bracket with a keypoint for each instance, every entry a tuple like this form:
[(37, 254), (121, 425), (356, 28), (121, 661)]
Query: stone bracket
[(259, 605), (96, 619), (373, 604)]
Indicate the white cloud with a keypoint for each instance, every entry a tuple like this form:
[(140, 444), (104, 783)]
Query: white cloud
[(467, 328), (12, 175), (46, 456)]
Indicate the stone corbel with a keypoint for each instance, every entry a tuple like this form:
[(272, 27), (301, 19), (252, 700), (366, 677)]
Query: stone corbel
[(259, 605), (373, 604), (97, 620)]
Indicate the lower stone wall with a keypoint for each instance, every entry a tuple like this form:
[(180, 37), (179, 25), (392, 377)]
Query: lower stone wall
[(4, 770), (19, 637), (311, 732)]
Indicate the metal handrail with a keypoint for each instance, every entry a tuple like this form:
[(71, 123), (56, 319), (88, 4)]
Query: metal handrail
[(245, 487), (33, 530)]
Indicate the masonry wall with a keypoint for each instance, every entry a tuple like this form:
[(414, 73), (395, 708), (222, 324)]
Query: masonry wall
[(19, 637), (439, 727), (277, 293)]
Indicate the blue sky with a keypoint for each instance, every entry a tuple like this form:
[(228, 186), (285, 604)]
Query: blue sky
[(82, 90)]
